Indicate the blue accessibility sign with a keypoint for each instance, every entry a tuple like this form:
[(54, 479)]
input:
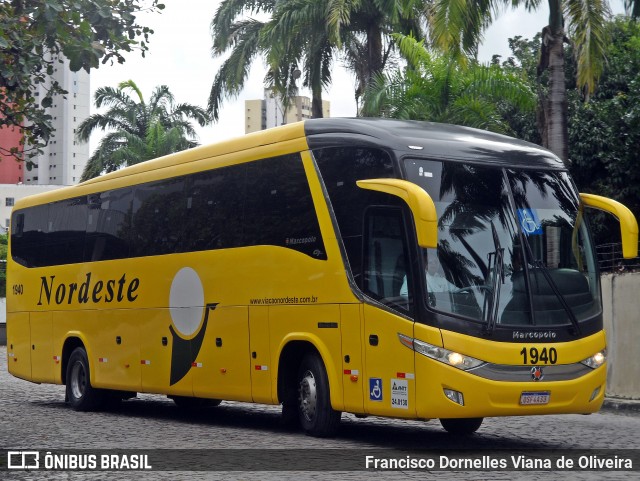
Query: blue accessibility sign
[(375, 389), (529, 222)]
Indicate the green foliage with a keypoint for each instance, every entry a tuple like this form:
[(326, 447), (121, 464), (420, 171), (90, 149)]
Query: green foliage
[(303, 37), (139, 130), (443, 89), (33, 35), (604, 131)]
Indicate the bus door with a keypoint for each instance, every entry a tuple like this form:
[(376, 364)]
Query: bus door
[(389, 379)]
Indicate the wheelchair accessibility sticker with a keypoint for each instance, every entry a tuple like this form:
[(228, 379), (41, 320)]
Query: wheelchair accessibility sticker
[(529, 222), (375, 389)]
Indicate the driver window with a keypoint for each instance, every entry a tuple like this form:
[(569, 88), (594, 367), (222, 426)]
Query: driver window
[(385, 258)]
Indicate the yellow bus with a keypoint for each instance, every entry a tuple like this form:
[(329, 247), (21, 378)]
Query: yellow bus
[(376, 267)]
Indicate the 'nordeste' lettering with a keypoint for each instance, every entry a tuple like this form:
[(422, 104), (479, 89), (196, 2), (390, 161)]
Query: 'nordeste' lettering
[(110, 290)]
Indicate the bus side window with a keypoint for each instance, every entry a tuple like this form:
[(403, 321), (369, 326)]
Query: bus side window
[(108, 225), (33, 231), (385, 258), (340, 168), (279, 209), (214, 205), (159, 210)]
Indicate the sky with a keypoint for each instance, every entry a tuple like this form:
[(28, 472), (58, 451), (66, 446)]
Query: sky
[(180, 57)]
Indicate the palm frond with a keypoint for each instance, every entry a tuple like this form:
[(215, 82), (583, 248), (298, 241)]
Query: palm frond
[(588, 30)]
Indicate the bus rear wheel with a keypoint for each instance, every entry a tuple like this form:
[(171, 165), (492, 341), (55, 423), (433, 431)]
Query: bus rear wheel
[(80, 394), (317, 417), (463, 426)]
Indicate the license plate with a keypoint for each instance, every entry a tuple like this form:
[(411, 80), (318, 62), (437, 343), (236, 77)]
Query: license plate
[(528, 398)]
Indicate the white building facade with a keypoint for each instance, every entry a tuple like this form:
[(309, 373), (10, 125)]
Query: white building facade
[(64, 158)]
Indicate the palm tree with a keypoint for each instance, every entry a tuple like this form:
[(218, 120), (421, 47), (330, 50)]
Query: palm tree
[(457, 26), (140, 130), (306, 35), (364, 29), (442, 89), (298, 37)]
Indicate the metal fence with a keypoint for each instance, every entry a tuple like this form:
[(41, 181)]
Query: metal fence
[(610, 259)]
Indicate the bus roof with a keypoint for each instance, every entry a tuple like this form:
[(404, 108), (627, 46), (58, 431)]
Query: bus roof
[(439, 141)]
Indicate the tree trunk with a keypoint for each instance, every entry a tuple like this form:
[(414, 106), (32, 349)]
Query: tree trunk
[(554, 130), (316, 101), (556, 102), (374, 60)]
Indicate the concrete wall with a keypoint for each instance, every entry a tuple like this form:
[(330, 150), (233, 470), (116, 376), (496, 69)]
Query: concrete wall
[(621, 305)]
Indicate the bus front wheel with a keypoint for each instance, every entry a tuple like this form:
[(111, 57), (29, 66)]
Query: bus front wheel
[(317, 417), (462, 426), (80, 394)]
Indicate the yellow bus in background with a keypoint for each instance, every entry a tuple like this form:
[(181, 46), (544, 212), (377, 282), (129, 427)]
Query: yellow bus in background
[(370, 266)]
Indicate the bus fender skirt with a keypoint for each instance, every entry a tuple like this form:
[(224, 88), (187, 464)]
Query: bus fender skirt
[(335, 381), (75, 334)]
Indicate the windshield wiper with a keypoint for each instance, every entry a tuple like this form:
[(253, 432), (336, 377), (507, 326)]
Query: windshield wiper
[(538, 264), (497, 278)]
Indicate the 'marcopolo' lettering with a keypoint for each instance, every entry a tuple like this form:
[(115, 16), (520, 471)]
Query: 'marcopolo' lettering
[(101, 291)]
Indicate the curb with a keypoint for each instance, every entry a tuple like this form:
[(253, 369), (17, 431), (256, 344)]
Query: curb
[(621, 405)]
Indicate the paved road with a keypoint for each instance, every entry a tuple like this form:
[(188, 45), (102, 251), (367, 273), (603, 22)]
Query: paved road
[(36, 417)]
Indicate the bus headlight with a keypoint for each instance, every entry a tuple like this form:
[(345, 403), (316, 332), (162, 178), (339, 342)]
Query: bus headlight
[(441, 354), (596, 360)]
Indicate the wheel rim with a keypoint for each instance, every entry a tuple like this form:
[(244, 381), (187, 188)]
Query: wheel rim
[(308, 396), (78, 380)]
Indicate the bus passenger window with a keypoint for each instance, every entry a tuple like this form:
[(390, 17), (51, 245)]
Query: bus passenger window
[(108, 225), (159, 210), (32, 230), (214, 201)]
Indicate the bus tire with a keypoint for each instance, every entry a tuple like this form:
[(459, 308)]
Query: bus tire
[(462, 426), (80, 394), (317, 417)]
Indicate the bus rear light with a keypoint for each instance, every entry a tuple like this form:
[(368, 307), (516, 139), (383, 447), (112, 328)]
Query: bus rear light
[(597, 360), (454, 396), (441, 354)]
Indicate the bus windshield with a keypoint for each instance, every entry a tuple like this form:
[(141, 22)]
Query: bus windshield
[(513, 247)]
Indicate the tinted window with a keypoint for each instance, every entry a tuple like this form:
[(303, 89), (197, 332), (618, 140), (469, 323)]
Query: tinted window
[(267, 202), (386, 259), (214, 201), (341, 167), (67, 228), (108, 225), (279, 210), (29, 229), (159, 210)]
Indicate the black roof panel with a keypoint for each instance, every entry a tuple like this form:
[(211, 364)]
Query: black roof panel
[(440, 141)]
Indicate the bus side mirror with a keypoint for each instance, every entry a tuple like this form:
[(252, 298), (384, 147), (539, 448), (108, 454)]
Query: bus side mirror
[(419, 202), (628, 223)]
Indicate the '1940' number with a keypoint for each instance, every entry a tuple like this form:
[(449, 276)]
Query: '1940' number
[(534, 355)]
